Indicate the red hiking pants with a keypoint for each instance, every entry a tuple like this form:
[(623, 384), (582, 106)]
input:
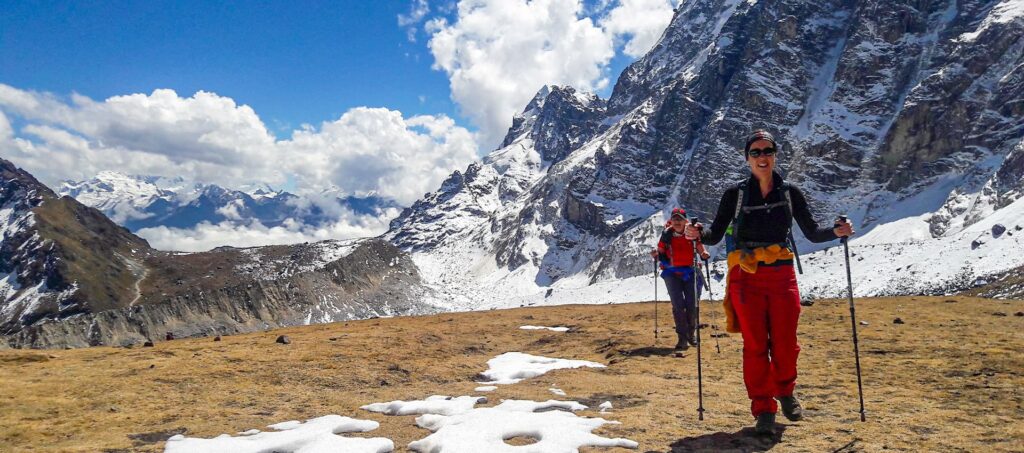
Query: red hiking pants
[(767, 304)]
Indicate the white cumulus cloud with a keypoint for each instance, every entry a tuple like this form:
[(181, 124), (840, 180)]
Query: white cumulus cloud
[(638, 23), (376, 150), (6, 132), (206, 236), (210, 139), (499, 53)]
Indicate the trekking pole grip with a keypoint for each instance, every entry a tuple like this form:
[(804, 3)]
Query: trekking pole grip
[(693, 223), (842, 219)]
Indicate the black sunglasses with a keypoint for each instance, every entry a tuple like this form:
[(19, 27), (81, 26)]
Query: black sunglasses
[(758, 152)]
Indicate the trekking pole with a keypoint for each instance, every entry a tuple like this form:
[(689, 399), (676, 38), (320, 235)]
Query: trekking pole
[(696, 305), (655, 300), (711, 295), (853, 320)]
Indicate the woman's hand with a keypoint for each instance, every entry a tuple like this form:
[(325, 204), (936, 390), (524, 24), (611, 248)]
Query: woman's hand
[(843, 228), (704, 256), (692, 231), (654, 253)]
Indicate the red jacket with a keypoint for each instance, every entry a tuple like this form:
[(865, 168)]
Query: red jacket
[(674, 249)]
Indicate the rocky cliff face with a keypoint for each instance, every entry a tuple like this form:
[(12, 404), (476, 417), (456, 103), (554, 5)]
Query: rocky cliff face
[(71, 277), (556, 121), (885, 110)]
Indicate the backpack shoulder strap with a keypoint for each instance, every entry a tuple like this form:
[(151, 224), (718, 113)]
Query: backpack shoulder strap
[(741, 200), (789, 199), (666, 238), (786, 189)]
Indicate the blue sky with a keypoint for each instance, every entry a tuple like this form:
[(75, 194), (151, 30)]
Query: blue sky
[(293, 62)]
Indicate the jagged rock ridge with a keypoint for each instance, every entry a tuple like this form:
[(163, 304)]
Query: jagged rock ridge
[(886, 110)]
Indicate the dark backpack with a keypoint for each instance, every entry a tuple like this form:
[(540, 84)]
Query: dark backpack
[(741, 208)]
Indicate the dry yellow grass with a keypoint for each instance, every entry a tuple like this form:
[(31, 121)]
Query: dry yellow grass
[(950, 379)]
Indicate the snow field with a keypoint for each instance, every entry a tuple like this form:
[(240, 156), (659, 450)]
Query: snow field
[(927, 266), (456, 423), (458, 426)]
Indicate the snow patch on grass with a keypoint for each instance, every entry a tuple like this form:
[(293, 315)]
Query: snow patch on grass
[(486, 429), (553, 329), (437, 404), (512, 367), (317, 435)]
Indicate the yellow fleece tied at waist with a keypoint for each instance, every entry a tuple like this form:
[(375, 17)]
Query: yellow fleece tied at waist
[(748, 261)]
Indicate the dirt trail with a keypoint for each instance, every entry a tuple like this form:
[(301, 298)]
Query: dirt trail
[(950, 379)]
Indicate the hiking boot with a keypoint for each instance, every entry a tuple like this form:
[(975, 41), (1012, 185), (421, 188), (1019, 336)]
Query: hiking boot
[(765, 424), (791, 407), (681, 345)]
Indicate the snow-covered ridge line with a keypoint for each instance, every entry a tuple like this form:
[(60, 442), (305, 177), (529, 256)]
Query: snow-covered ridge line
[(150, 205)]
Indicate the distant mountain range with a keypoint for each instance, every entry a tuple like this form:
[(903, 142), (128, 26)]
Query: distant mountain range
[(138, 202), (69, 276)]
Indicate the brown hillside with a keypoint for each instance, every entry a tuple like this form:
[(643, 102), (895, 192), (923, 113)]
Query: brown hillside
[(949, 379)]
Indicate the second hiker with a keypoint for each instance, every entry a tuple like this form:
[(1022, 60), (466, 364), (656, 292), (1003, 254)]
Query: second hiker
[(675, 254)]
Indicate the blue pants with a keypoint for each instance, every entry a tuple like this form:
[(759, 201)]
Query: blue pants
[(684, 310)]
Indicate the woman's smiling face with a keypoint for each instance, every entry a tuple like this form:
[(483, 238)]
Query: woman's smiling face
[(761, 166)]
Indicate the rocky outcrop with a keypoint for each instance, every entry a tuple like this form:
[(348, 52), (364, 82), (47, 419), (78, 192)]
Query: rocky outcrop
[(463, 200), (558, 120), (61, 258)]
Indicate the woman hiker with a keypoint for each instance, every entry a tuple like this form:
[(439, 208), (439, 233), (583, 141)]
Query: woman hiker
[(762, 286), (675, 255)]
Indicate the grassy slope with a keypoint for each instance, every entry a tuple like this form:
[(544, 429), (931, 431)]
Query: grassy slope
[(951, 378), (88, 245)]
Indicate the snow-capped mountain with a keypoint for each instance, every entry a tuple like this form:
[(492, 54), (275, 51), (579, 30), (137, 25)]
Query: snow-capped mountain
[(886, 111), (138, 202), (123, 198)]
